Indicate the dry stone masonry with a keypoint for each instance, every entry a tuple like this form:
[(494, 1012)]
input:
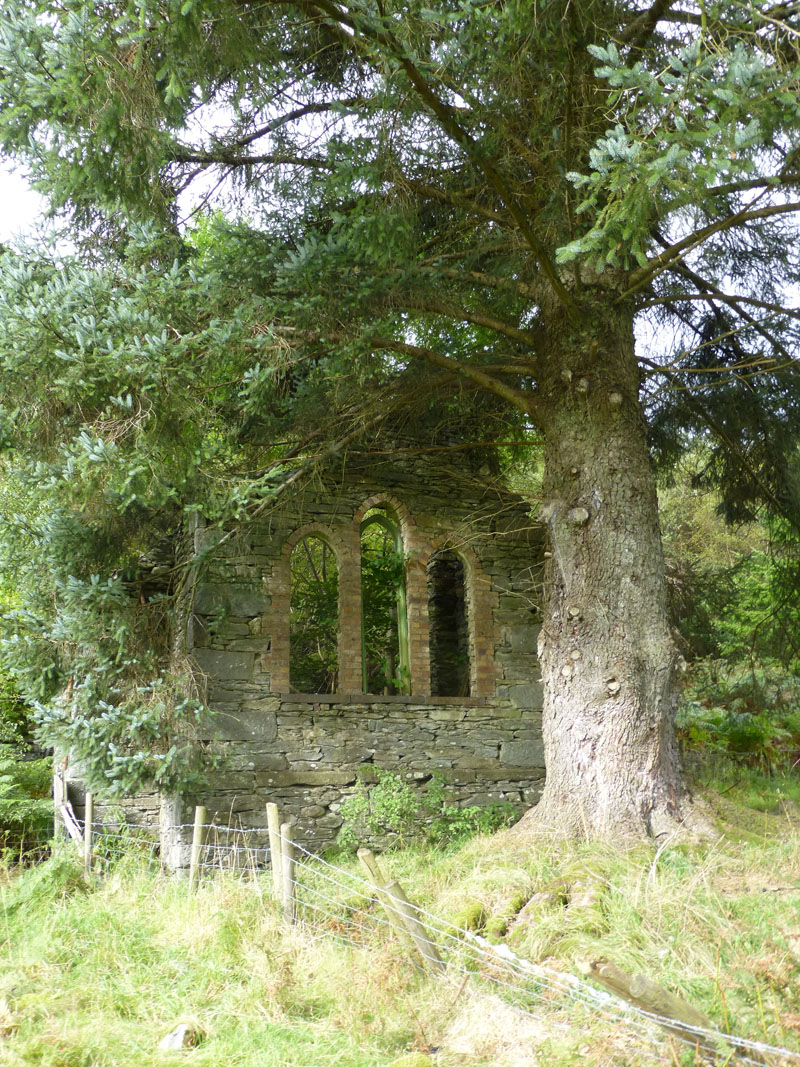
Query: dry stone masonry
[(307, 751)]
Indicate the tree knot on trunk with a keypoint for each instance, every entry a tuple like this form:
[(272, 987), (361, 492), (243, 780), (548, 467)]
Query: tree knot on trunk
[(578, 516)]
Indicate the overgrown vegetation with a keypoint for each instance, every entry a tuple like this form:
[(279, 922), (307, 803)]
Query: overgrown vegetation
[(450, 216), (26, 809), (387, 808), (313, 618), (733, 584), (734, 598), (383, 606), (739, 727), (98, 973), (94, 501)]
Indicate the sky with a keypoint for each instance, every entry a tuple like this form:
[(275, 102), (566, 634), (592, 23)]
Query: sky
[(20, 207)]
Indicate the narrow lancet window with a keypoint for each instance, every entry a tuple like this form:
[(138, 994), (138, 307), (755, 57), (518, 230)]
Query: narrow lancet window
[(384, 626), (449, 626), (313, 617)]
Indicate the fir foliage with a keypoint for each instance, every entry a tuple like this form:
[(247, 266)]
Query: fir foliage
[(411, 202)]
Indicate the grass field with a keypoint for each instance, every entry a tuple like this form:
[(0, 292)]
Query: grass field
[(95, 975)]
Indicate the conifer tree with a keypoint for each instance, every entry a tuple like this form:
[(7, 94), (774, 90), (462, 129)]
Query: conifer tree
[(466, 198)]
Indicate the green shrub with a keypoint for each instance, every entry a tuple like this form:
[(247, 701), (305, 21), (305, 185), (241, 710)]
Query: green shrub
[(26, 810), (450, 823), (749, 717), (388, 807)]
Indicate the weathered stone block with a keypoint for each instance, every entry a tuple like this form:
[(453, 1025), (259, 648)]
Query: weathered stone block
[(209, 599), (228, 630), (501, 711), (228, 599), (523, 638), (262, 705), (312, 811), (245, 644), (475, 763), (481, 800), (267, 764), (529, 695), (239, 726), (332, 820), (305, 755), (226, 666), (523, 753), (447, 714), (247, 602), (310, 777)]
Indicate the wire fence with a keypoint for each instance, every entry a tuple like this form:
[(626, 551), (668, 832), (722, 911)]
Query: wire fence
[(341, 905)]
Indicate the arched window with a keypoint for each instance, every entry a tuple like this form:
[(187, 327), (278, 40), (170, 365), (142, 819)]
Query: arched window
[(384, 625), (449, 626), (313, 617)]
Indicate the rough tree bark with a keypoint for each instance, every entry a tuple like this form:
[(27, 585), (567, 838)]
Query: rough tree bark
[(608, 660)]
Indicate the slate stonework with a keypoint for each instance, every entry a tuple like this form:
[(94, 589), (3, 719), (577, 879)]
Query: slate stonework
[(306, 751)]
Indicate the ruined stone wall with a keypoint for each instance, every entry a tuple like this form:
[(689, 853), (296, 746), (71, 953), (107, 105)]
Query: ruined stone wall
[(142, 810), (305, 751)]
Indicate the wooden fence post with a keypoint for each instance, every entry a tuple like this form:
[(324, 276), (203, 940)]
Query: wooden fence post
[(401, 913), (88, 834), (370, 864), (71, 825), (60, 797), (287, 872), (198, 836), (275, 849), (416, 928), (670, 1009)]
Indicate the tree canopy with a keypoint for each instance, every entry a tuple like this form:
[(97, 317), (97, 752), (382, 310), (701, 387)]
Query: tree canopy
[(292, 220)]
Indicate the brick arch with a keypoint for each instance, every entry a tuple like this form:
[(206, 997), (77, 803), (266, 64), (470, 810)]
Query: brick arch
[(450, 543), (349, 632), (416, 586), (329, 534), (480, 603), (407, 524)]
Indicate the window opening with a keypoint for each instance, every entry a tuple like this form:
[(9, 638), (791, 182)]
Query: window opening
[(384, 625), (449, 626), (313, 617)]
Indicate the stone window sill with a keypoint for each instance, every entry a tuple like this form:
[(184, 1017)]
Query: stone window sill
[(380, 698)]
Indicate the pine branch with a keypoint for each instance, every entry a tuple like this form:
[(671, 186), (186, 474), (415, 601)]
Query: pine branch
[(732, 299), (637, 33), (293, 116), (492, 281), (450, 311), (679, 249), (455, 200), (730, 442), (229, 159), (449, 121), (703, 283), (522, 401)]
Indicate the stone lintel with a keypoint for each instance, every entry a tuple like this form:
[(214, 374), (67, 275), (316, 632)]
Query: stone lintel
[(517, 775), (313, 777)]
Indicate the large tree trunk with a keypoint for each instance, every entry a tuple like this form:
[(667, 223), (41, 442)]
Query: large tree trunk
[(608, 660)]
